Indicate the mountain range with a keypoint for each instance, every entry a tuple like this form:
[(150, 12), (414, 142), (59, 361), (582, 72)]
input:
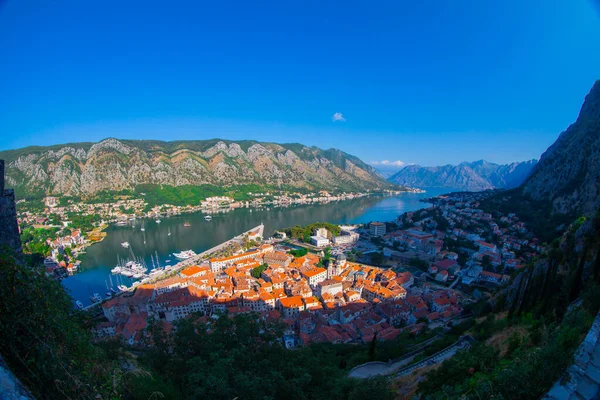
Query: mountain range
[(87, 168), (468, 176)]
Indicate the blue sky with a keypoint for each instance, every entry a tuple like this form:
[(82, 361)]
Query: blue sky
[(428, 82)]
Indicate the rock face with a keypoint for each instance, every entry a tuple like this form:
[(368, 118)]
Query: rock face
[(87, 168), (9, 229), (568, 173), (474, 176)]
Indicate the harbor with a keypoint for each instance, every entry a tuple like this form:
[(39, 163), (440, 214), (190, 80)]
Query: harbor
[(176, 234)]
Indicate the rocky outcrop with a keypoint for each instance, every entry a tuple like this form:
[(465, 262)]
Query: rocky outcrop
[(568, 173), (9, 229), (112, 164), (473, 176)]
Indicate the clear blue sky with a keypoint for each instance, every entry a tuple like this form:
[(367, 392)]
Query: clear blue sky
[(429, 81)]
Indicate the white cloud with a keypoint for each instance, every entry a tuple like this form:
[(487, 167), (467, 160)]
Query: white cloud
[(338, 117), (389, 163)]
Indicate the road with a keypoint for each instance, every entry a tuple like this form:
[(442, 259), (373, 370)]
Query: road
[(399, 368)]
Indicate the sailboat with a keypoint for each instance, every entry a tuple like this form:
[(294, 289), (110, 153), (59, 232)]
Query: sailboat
[(111, 284)]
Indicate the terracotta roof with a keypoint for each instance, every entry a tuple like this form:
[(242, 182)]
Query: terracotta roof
[(292, 302)]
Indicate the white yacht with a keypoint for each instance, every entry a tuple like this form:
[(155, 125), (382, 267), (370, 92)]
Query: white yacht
[(158, 221), (79, 304), (96, 298), (207, 218), (184, 255), (122, 288), (125, 244)]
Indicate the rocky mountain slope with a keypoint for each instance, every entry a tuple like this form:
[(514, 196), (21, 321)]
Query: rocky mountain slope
[(473, 176), (87, 168), (564, 184), (568, 173)]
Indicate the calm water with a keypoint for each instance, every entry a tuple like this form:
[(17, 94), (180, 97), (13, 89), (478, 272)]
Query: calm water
[(201, 235)]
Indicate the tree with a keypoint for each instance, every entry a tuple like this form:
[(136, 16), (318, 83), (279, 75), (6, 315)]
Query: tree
[(372, 347), (256, 272), (377, 258), (486, 262), (43, 339), (418, 263)]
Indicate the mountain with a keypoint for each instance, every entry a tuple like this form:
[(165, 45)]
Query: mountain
[(112, 164), (562, 197), (473, 176), (568, 174)]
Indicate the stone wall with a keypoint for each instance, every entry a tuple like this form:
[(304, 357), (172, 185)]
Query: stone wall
[(582, 379), (9, 229), (10, 387)]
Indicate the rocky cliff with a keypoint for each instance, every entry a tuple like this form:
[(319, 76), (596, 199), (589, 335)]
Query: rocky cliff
[(568, 173), (473, 176), (9, 230), (87, 168), (567, 179)]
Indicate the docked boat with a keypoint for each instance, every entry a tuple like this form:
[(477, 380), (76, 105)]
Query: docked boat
[(96, 298), (158, 221), (187, 224), (207, 218), (125, 244), (121, 223), (122, 288), (142, 228), (184, 255), (108, 294), (79, 304), (116, 270), (138, 275)]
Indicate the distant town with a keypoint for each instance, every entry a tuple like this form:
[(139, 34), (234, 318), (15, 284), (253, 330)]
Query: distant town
[(433, 263)]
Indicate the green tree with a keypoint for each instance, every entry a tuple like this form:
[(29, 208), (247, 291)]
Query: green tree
[(43, 339), (255, 272)]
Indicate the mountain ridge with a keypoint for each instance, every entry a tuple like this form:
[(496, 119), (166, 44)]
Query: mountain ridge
[(469, 176), (568, 174), (87, 168)]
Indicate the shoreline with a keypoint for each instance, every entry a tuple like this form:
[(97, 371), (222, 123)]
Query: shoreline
[(224, 210)]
